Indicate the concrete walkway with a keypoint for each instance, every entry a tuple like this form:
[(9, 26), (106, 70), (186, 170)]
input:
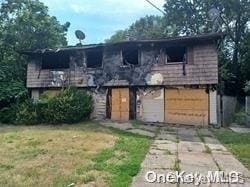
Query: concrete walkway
[(182, 149), (190, 150)]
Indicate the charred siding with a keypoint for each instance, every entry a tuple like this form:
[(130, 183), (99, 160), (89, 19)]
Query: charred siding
[(201, 68)]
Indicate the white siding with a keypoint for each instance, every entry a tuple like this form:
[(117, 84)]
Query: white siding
[(213, 107)]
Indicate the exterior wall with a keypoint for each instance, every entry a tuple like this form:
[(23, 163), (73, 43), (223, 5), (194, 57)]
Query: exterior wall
[(35, 93), (228, 109), (150, 104), (202, 68), (100, 100), (213, 118)]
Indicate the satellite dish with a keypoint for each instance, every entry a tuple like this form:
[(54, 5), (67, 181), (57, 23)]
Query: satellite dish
[(80, 35)]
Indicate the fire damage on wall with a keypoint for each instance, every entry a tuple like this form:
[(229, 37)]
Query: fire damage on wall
[(109, 66), (132, 79)]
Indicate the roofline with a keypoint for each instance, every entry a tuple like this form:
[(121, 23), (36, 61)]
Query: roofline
[(191, 38)]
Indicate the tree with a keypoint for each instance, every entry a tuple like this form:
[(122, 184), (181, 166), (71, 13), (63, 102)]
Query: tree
[(192, 17), (24, 24), (149, 27)]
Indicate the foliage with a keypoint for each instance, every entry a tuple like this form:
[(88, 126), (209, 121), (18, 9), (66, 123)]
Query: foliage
[(185, 17), (247, 87), (24, 24), (69, 106), (237, 143), (192, 17), (8, 114), (27, 113), (240, 117), (149, 27)]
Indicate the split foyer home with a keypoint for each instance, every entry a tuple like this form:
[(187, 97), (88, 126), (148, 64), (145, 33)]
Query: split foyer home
[(171, 80)]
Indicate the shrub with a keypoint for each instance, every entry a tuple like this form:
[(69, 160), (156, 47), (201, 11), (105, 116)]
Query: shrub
[(240, 117), (27, 113), (69, 106), (8, 114)]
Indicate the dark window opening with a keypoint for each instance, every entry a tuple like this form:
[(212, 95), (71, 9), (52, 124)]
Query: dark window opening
[(55, 61), (175, 54), (130, 56), (94, 58)]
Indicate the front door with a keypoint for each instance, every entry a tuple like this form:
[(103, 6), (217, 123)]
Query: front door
[(120, 104)]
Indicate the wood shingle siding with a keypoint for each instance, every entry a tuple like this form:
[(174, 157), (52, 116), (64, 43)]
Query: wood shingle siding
[(201, 68)]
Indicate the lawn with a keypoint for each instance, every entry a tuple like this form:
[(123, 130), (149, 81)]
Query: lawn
[(237, 143), (69, 155)]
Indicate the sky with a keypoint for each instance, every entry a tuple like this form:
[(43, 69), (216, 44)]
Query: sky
[(99, 19)]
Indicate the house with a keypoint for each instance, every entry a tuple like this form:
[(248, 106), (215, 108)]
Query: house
[(172, 80)]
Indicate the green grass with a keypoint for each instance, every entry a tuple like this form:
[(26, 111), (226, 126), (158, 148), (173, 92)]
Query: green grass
[(237, 143), (69, 154), (123, 160)]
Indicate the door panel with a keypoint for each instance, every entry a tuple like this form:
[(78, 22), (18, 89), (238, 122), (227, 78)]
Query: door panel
[(120, 104), (186, 106)]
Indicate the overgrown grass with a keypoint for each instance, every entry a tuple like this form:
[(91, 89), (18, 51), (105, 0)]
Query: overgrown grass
[(237, 143), (69, 155)]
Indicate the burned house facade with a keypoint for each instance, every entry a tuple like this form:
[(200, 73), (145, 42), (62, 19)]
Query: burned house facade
[(171, 80)]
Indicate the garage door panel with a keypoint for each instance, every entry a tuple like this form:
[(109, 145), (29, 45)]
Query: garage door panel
[(186, 106)]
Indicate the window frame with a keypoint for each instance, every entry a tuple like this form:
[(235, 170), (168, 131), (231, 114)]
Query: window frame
[(139, 55), (86, 59), (164, 50)]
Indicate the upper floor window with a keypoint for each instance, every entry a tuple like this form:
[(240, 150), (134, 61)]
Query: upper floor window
[(53, 60), (130, 56), (94, 58), (175, 54)]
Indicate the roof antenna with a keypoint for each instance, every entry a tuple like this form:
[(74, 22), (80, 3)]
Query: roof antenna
[(80, 36)]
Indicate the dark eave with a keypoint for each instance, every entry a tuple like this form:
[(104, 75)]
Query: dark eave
[(170, 40)]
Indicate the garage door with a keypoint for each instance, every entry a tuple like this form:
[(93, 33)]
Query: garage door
[(120, 104), (186, 106), (153, 106)]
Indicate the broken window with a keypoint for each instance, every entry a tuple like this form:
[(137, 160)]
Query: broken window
[(175, 54), (130, 56), (94, 58), (54, 60)]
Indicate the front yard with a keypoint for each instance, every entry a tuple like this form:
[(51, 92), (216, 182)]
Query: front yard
[(237, 143), (69, 155)]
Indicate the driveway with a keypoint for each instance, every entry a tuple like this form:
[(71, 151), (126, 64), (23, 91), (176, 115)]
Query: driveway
[(187, 149)]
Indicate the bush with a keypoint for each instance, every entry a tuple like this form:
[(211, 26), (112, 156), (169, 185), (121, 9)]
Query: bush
[(27, 113), (240, 117), (8, 114), (69, 106)]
